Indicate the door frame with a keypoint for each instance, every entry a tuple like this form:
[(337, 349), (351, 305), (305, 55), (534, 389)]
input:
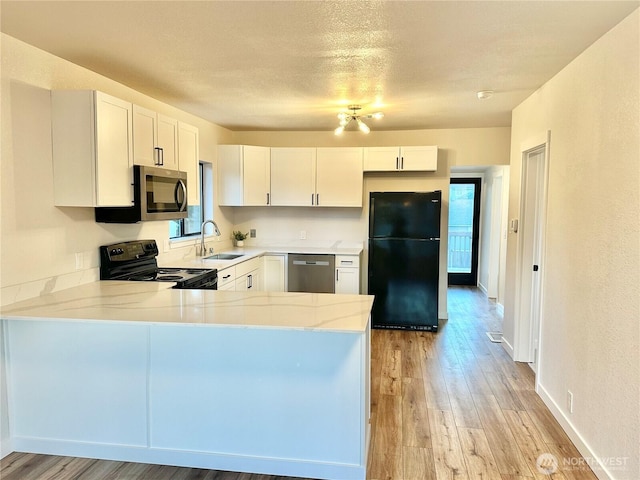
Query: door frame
[(472, 277), (529, 303)]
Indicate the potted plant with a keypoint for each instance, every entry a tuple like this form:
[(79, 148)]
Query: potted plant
[(239, 237)]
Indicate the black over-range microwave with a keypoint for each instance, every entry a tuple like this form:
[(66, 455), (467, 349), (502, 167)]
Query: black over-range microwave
[(158, 194)]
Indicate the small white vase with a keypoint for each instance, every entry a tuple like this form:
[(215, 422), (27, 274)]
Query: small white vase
[(239, 243)]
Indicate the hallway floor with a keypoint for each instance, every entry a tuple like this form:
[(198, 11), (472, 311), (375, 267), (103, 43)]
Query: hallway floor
[(450, 405)]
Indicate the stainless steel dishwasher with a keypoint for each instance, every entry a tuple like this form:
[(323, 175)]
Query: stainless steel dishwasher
[(311, 273)]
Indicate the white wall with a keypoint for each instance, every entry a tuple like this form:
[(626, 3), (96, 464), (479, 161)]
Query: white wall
[(38, 241), (591, 270)]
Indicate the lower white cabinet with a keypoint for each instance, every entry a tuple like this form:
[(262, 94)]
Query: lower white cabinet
[(227, 279), (274, 267), (347, 274), (242, 277)]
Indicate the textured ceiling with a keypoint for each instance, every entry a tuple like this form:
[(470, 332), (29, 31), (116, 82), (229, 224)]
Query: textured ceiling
[(293, 65)]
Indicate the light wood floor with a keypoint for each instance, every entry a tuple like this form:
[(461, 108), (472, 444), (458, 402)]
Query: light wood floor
[(450, 405)]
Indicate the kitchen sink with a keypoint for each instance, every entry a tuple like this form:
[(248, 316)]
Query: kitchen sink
[(223, 256)]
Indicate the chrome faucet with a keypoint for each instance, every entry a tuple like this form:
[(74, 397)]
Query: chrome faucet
[(216, 230)]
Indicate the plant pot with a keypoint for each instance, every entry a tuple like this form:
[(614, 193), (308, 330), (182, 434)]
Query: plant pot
[(239, 243)]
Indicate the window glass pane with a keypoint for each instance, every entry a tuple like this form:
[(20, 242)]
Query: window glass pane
[(461, 198)]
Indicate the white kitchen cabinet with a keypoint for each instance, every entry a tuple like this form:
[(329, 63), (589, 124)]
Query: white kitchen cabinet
[(347, 274), (392, 159), (155, 139), (244, 175), (329, 177), (92, 149), (339, 177), (274, 267), (293, 176), (249, 275), (227, 278), (188, 160)]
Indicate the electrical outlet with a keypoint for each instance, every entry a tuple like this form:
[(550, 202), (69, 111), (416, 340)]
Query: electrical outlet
[(569, 401), (303, 234), (252, 233)]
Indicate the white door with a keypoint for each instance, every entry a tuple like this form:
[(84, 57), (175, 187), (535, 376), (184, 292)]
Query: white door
[(531, 232)]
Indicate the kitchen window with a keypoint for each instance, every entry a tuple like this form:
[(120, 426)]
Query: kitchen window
[(190, 226)]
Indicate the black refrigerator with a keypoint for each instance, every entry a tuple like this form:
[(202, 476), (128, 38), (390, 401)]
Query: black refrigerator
[(404, 259)]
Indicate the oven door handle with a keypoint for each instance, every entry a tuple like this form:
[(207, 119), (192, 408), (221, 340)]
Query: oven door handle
[(181, 188)]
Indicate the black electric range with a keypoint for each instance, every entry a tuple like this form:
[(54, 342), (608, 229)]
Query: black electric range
[(136, 261)]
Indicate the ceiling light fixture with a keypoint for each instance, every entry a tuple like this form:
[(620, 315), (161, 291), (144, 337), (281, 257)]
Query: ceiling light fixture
[(483, 94), (347, 117)]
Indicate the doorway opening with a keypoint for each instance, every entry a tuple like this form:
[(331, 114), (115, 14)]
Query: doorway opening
[(464, 228)]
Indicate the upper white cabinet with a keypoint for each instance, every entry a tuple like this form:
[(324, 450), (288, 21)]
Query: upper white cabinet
[(330, 177), (92, 149), (244, 177), (413, 159), (188, 159), (293, 176), (155, 139), (339, 179)]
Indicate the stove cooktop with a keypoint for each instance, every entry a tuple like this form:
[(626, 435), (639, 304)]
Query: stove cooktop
[(136, 261)]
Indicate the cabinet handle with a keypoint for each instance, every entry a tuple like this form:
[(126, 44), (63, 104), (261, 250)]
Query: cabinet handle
[(249, 281), (317, 199), (312, 199), (401, 163), (397, 163), (226, 276), (337, 272), (158, 153), (268, 199)]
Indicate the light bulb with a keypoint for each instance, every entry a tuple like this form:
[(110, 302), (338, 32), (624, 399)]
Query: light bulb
[(363, 126), (339, 130), (378, 115)]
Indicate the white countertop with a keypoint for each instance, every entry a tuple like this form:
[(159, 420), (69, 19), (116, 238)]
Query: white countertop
[(157, 302)]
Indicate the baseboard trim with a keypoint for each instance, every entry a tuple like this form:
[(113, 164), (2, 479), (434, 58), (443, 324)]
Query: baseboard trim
[(599, 469), (508, 347), (5, 447), (194, 459)]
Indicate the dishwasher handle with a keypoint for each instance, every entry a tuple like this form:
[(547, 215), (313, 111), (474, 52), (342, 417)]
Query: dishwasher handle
[(311, 263)]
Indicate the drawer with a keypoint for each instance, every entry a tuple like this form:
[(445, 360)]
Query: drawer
[(348, 261), (248, 266), (226, 276)]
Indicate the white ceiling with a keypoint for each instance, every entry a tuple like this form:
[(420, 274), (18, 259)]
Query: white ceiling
[(293, 65)]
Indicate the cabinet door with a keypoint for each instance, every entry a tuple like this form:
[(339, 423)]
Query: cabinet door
[(230, 191), (381, 159), (274, 273), (188, 160), (167, 140), (144, 136), (114, 155), (256, 175), (293, 176), (339, 177), (249, 282), (347, 280), (419, 159)]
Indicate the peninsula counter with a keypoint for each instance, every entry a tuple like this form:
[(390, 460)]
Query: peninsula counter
[(262, 382)]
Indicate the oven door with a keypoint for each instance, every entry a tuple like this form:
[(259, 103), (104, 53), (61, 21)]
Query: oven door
[(162, 193)]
